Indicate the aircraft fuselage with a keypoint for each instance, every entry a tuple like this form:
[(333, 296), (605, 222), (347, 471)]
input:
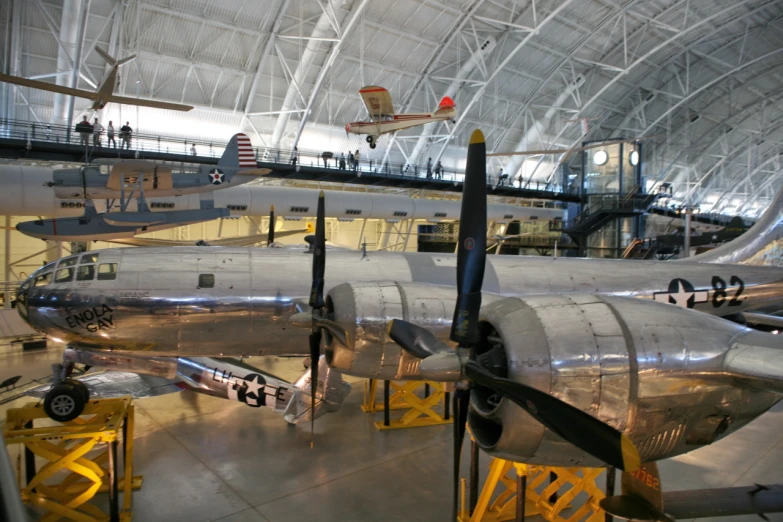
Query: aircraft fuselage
[(208, 301)]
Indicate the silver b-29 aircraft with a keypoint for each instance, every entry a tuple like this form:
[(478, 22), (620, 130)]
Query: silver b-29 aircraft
[(597, 365)]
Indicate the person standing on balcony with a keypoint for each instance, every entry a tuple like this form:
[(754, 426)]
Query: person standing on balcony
[(84, 129), (97, 129), (125, 133), (110, 135)]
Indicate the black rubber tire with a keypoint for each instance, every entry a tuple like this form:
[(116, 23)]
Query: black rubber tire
[(64, 402), (370, 139), (79, 385), (373, 145)]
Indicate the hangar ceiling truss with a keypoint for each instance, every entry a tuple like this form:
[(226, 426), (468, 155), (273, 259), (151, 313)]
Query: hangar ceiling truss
[(698, 80)]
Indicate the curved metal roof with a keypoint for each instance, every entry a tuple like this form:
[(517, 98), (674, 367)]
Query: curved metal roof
[(698, 79)]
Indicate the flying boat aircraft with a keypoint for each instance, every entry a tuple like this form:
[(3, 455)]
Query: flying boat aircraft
[(383, 120), (105, 92), (133, 181)]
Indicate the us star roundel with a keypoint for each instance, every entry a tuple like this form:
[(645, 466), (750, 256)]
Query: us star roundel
[(216, 176)]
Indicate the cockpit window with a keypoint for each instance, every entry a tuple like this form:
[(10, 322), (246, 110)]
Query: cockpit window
[(43, 279), (63, 275), (85, 273), (68, 261), (88, 258), (107, 271), (46, 268)]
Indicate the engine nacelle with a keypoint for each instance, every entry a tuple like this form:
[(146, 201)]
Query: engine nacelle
[(645, 368), (365, 309)]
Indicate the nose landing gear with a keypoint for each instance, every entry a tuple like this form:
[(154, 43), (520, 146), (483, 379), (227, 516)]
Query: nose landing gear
[(67, 398)]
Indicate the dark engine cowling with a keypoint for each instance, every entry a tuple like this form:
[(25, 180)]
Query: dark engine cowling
[(645, 368)]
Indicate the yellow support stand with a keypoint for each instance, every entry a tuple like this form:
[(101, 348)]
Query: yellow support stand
[(540, 494), (66, 448), (421, 410)]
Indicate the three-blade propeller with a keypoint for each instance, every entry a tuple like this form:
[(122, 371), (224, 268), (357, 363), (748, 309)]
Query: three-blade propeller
[(572, 424)]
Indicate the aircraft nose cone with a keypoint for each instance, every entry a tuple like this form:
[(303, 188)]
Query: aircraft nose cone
[(347, 128)]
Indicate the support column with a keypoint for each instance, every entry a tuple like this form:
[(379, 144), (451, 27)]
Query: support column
[(77, 61), (14, 57), (686, 249), (7, 262), (69, 32), (385, 233)]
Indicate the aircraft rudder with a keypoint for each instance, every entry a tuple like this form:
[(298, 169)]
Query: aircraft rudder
[(239, 153), (446, 103)]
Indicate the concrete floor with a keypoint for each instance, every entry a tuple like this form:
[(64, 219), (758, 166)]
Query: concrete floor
[(208, 459)]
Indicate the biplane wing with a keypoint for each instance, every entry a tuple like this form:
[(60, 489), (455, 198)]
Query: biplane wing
[(377, 100)]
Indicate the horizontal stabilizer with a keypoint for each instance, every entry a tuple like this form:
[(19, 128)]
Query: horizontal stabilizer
[(106, 56)]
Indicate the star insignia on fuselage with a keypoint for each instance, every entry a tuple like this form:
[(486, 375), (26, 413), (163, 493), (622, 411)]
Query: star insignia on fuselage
[(216, 176), (681, 293)]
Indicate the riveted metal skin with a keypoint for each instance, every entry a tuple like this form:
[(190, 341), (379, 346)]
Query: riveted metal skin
[(648, 369)]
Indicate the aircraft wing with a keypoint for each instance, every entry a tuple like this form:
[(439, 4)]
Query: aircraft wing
[(377, 100), (757, 358), (109, 384), (227, 241), (642, 499), (150, 103), (46, 86)]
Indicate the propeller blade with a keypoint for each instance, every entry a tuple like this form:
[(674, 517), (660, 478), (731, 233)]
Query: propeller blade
[(472, 245), (317, 302), (461, 403), (339, 333), (414, 339), (315, 355), (270, 238), (319, 257), (572, 424)]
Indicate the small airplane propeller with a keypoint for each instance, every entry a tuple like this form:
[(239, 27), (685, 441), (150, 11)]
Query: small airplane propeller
[(317, 301), (270, 238), (572, 424)]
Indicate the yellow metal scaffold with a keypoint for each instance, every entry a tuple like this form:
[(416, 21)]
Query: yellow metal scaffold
[(71, 448), (406, 396), (549, 493)]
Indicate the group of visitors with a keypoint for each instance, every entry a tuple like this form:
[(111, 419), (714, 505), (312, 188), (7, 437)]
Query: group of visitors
[(95, 129)]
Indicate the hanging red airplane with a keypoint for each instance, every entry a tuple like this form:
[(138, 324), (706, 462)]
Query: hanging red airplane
[(382, 117)]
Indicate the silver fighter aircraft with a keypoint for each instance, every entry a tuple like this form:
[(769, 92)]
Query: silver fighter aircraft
[(226, 378)]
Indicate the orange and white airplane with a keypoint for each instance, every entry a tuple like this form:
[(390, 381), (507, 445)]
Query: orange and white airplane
[(382, 117)]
